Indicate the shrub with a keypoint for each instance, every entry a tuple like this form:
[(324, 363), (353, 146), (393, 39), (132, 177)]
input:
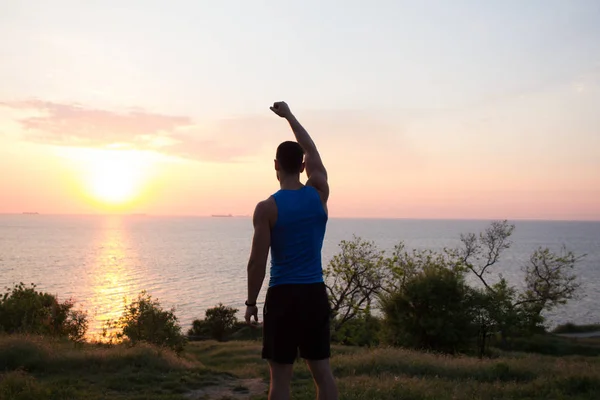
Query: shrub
[(144, 320), (219, 322), (200, 330), (26, 310), (432, 311)]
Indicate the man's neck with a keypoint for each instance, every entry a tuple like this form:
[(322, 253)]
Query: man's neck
[(290, 182)]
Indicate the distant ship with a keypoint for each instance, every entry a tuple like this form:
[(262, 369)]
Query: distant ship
[(31, 213), (222, 215)]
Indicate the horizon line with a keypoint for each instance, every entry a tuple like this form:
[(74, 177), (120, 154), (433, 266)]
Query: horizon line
[(224, 216)]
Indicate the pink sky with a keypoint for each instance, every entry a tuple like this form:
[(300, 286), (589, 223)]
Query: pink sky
[(465, 112), (380, 166)]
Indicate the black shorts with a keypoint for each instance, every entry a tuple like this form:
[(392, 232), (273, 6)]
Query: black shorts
[(296, 321)]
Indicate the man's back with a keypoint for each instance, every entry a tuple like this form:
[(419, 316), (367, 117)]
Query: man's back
[(297, 237), (291, 225)]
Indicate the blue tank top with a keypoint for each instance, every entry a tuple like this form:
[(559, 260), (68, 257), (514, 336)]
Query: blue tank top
[(297, 237)]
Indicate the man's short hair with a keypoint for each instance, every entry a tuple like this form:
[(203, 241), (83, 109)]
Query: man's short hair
[(290, 157)]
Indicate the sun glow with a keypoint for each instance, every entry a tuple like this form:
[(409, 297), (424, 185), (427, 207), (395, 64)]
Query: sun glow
[(115, 177), (114, 180)]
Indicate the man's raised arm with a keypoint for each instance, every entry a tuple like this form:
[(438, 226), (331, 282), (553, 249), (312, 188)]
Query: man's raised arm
[(315, 170)]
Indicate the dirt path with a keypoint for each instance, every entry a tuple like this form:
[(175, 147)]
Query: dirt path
[(230, 389)]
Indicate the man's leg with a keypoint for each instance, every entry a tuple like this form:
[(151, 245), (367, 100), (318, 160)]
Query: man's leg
[(280, 343), (321, 372), (281, 379), (315, 341)]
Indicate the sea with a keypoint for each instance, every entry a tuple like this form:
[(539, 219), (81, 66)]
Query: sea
[(194, 263)]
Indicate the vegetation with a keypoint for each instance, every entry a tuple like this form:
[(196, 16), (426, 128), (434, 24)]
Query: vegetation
[(552, 345), (364, 330), (144, 320), (354, 277), (26, 310), (426, 303), (41, 369), (433, 311), (219, 323), (549, 281), (572, 328)]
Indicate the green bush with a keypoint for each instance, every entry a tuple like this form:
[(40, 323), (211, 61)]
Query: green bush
[(363, 330), (219, 322), (432, 311), (200, 330), (26, 310), (144, 320)]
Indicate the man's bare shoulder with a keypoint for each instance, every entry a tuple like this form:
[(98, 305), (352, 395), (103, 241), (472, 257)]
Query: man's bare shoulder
[(267, 204), (266, 210)]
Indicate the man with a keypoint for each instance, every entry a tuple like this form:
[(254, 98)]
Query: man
[(291, 224)]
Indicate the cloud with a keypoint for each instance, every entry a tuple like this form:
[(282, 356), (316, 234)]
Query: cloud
[(225, 140), (79, 126), (65, 123)]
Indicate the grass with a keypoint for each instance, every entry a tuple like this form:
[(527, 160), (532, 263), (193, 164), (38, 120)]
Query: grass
[(35, 368)]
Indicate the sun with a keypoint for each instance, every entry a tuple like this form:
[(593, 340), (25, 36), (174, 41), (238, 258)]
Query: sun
[(113, 182), (115, 177)]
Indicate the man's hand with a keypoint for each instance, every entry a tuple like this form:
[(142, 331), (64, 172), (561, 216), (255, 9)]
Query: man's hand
[(251, 311), (282, 109)]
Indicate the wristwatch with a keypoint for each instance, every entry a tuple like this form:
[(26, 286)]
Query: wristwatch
[(250, 304)]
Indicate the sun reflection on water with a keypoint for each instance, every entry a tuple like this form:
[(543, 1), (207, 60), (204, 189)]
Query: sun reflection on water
[(112, 275)]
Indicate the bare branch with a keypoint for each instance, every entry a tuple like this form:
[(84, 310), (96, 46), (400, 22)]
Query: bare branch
[(479, 253), (548, 279)]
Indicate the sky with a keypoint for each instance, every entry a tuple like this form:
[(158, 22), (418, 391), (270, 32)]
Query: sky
[(429, 109)]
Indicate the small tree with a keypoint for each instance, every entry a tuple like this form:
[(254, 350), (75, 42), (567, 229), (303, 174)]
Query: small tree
[(494, 312), (354, 278), (549, 281), (219, 322), (479, 253), (144, 320)]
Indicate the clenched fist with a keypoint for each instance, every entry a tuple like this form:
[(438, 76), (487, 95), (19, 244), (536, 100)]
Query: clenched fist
[(282, 109)]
